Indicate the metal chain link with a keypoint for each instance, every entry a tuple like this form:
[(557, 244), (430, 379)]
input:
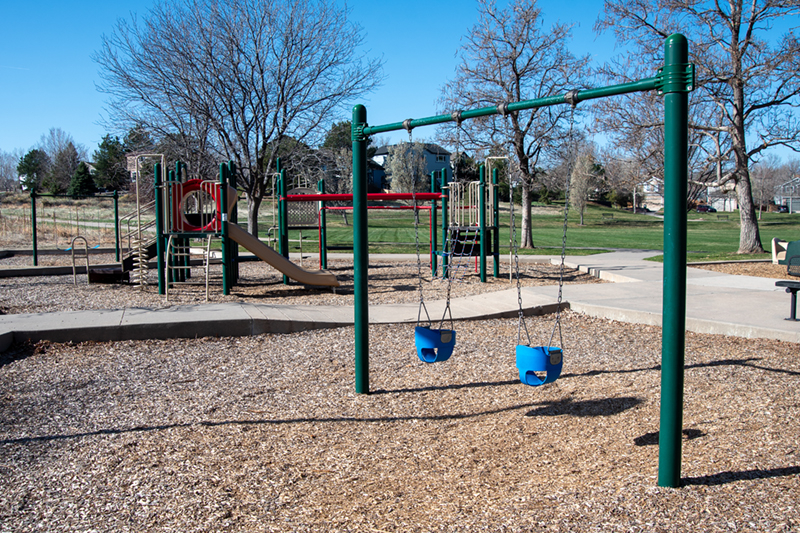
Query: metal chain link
[(450, 236), (521, 325), (570, 168), (416, 238)]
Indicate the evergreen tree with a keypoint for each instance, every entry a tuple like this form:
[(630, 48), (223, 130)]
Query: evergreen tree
[(64, 166), (82, 183), (339, 137), (33, 168), (111, 170)]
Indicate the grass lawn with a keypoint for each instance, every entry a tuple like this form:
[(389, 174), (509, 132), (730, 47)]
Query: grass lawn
[(710, 236)]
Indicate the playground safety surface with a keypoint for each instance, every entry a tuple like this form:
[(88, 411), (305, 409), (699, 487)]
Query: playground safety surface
[(264, 433)]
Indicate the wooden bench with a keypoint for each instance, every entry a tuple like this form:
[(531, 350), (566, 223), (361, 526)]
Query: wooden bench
[(608, 215), (791, 286), (722, 217)]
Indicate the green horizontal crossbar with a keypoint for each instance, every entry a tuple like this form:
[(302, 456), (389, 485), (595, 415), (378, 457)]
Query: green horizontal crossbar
[(647, 84)]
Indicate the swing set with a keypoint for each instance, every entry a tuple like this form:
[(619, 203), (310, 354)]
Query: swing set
[(674, 81)]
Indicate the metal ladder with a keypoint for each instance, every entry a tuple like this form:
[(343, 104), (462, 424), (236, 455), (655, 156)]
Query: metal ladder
[(176, 252)]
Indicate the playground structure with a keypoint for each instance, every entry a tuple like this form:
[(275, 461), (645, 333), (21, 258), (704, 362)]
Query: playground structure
[(674, 80), (463, 218), (180, 211), (206, 210)]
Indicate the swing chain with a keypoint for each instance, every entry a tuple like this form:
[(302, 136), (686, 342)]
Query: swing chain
[(570, 168), (457, 117), (521, 324), (406, 124)]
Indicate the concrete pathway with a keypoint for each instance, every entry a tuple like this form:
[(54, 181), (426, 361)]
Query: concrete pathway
[(716, 303)]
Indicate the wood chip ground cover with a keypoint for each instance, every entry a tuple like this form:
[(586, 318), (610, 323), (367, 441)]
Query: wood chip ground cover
[(266, 434)]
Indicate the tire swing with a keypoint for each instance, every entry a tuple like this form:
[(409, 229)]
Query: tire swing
[(433, 345), (546, 360)]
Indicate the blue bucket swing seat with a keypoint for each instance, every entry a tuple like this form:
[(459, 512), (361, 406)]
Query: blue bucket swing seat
[(532, 359), (434, 345)]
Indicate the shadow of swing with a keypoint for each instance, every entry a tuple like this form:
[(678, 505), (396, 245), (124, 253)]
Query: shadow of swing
[(651, 439), (604, 407), (587, 408), (746, 475)]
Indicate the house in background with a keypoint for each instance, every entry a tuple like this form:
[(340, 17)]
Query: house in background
[(436, 157), (653, 190), (788, 194), (720, 197)]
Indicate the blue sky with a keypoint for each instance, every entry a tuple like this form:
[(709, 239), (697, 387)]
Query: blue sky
[(47, 77)]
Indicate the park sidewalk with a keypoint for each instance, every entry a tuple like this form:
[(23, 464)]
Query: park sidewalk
[(741, 306)]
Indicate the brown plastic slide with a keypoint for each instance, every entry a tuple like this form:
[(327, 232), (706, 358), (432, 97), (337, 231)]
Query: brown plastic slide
[(280, 263)]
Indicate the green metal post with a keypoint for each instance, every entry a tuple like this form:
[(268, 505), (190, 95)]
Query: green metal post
[(434, 225), (496, 224), (115, 196), (234, 218), (226, 252), (360, 248), (482, 221), (33, 229), (283, 218), (159, 198), (445, 259), (172, 274), (183, 260), (675, 87), (323, 229)]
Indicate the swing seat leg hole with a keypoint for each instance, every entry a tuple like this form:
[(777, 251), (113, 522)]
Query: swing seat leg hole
[(543, 359), (434, 345)]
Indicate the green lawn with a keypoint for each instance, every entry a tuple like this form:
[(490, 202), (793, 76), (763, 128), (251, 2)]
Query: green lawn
[(708, 236)]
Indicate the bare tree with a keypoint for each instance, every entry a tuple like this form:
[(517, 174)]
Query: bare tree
[(237, 76), (747, 83), (9, 177), (765, 177), (581, 183), (625, 175), (406, 167), (509, 56), (57, 140)]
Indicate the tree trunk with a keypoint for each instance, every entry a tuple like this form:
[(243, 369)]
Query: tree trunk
[(253, 203), (749, 236), (526, 237)]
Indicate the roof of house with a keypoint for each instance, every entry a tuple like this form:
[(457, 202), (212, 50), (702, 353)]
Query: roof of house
[(434, 149)]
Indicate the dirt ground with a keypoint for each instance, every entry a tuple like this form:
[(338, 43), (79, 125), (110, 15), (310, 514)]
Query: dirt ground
[(265, 433)]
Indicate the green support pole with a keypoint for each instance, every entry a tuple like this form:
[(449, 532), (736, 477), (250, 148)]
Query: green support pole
[(496, 224), (676, 85), (445, 224), (283, 218), (33, 229), (180, 273), (482, 221), (115, 196), (159, 198), (171, 274), (234, 218), (434, 225), (323, 229), (226, 252), (360, 249)]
